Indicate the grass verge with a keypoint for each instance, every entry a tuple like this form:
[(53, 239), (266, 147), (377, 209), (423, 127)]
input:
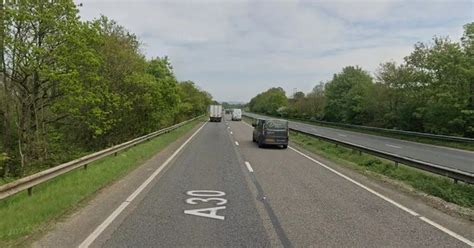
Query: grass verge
[(21, 215), (459, 193), (425, 140)]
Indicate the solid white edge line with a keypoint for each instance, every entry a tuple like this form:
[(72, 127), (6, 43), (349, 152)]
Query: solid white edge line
[(453, 234), (93, 236), (236, 143), (447, 231), (248, 166), (357, 183)]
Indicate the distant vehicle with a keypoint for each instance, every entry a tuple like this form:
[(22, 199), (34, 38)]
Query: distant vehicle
[(236, 114), (270, 132), (215, 113)]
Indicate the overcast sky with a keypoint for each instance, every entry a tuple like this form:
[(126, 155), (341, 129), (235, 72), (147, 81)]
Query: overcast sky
[(236, 49)]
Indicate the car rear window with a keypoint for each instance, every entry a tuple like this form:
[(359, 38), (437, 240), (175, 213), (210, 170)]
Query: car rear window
[(276, 124)]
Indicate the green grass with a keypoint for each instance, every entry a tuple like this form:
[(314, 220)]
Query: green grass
[(431, 141), (459, 193), (21, 215)]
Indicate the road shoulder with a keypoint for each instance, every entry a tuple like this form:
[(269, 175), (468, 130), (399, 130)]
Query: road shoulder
[(400, 194), (72, 229)]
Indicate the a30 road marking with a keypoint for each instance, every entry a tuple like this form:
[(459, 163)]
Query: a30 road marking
[(445, 230), (236, 143), (93, 236), (249, 167), (398, 147), (206, 196)]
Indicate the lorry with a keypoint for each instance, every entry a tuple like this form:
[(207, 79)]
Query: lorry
[(236, 114), (215, 113)]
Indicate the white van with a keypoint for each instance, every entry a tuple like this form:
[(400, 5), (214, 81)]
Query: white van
[(236, 114)]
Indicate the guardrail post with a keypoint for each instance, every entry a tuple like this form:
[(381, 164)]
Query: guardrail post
[(360, 153), (85, 167), (115, 154), (396, 164), (30, 191), (456, 181)]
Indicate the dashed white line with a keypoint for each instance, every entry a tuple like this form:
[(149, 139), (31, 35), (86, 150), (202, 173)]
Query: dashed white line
[(398, 147), (93, 236), (447, 231), (236, 143), (231, 132), (249, 167), (342, 135)]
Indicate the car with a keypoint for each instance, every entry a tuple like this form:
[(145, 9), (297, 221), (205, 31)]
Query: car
[(270, 132)]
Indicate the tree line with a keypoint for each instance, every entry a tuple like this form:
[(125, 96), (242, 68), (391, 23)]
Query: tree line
[(69, 87), (431, 91)]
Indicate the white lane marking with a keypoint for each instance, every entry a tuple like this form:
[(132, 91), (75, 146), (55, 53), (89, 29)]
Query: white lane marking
[(228, 127), (357, 183), (342, 135), (248, 166), (236, 143), (447, 231), (398, 147), (453, 234), (93, 236), (231, 132), (206, 212), (211, 195)]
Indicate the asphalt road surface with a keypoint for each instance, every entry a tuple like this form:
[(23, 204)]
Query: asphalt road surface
[(447, 157), (220, 190)]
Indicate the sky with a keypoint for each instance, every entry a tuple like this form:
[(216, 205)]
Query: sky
[(235, 49)]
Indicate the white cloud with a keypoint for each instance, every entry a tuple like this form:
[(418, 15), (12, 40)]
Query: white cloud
[(234, 49)]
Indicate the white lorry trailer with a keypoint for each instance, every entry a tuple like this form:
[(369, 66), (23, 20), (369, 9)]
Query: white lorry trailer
[(236, 114), (215, 113)]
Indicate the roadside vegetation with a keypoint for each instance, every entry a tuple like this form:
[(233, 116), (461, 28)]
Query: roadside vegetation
[(70, 87), (459, 193), (431, 91), (23, 215)]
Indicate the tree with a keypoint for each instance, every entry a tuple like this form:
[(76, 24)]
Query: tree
[(193, 100), (442, 72), (36, 36), (316, 101), (346, 94), (269, 101)]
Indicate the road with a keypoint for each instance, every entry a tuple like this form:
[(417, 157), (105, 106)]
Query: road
[(220, 190), (447, 157)]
